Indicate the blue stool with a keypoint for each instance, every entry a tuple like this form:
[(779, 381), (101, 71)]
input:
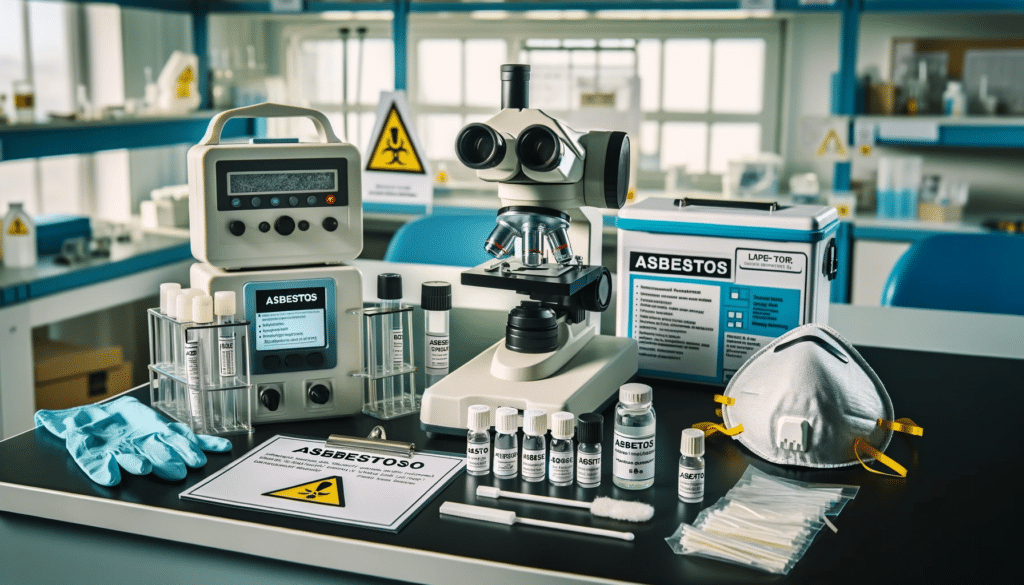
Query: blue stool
[(960, 272)]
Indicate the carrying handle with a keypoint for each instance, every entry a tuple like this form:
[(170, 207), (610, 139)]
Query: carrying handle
[(758, 205), (268, 110)]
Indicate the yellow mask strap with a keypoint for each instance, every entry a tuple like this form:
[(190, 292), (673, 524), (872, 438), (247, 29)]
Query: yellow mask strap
[(711, 428), (877, 455), (902, 425), (724, 400)]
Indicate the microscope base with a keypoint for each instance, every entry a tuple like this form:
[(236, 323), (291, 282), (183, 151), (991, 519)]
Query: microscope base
[(588, 381)]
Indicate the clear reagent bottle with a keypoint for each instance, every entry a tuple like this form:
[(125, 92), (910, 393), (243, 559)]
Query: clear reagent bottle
[(535, 445), (589, 432), (506, 447), (436, 300), (633, 453), (560, 461), (224, 308), (691, 466), (478, 440)]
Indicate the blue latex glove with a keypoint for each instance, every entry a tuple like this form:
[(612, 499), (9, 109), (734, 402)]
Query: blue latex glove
[(124, 431)]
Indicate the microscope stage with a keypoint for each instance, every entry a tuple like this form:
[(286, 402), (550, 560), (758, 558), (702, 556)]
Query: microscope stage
[(553, 279)]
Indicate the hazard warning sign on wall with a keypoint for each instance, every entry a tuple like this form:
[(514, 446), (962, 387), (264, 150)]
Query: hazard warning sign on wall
[(397, 170), (393, 149)]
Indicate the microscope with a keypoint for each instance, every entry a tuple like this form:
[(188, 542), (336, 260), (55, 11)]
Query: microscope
[(550, 181), (275, 221)]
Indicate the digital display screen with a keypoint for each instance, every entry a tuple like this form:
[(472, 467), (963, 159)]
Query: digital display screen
[(268, 182), (291, 318)]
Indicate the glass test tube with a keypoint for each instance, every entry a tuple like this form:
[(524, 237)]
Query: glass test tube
[(189, 405), (392, 336), (224, 307)]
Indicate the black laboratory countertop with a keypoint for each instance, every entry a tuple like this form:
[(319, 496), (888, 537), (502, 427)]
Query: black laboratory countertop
[(954, 516)]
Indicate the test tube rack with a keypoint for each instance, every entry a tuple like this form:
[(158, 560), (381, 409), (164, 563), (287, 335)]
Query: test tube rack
[(217, 405), (389, 388)]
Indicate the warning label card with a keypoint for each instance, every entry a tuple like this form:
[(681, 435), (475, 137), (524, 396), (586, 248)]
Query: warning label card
[(676, 325), (302, 477)]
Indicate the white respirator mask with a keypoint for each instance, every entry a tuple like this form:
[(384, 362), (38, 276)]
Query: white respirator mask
[(809, 399)]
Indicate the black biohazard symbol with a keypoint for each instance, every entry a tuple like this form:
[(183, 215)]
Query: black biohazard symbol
[(395, 146)]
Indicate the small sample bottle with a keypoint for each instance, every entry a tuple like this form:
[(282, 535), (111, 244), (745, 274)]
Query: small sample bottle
[(19, 238), (436, 300), (478, 440), (506, 447), (535, 445), (224, 308), (560, 461), (954, 100), (691, 466), (633, 454), (589, 432)]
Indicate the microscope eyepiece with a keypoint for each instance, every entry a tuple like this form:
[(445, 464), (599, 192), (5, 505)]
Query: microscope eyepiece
[(539, 148), (515, 86), (478, 146)]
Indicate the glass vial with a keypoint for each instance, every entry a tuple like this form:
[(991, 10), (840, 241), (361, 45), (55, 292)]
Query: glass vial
[(633, 454), (478, 440), (164, 334), (389, 293), (224, 308), (589, 432), (190, 355), (436, 300), (506, 447), (691, 466), (535, 445), (560, 462)]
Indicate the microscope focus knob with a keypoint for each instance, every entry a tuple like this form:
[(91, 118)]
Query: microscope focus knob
[(597, 295), (319, 394), (284, 225), (270, 398)]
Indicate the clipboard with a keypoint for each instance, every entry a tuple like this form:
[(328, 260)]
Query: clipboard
[(370, 483)]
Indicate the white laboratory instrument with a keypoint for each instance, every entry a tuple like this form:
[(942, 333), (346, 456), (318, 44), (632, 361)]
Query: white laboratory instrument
[(275, 221), (550, 179)]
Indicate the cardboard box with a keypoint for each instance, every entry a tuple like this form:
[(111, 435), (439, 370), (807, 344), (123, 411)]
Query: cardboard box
[(68, 375)]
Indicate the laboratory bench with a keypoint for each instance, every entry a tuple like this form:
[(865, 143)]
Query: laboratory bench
[(935, 524), (52, 292)]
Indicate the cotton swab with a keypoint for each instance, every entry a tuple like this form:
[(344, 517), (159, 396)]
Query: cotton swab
[(602, 507), (509, 518)]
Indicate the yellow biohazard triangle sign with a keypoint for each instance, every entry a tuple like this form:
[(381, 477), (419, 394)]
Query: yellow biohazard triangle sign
[(832, 136), (18, 228), (393, 150), (327, 491)]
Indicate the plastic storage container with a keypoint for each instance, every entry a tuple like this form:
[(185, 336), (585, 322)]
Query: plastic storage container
[(703, 284)]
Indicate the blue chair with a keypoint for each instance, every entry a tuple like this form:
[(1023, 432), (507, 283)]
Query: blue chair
[(449, 239), (960, 272)]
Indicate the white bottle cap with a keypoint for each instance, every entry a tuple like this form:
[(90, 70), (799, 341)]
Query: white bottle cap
[(172, 303), (562, 425), (224, 303), (535, 422), (184, 304), (692, 443), (165, 289), (479, 417), (202, 309), (507, 420), (635, 393)]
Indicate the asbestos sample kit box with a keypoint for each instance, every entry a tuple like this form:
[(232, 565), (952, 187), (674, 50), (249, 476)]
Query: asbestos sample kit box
[(703, 284)]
